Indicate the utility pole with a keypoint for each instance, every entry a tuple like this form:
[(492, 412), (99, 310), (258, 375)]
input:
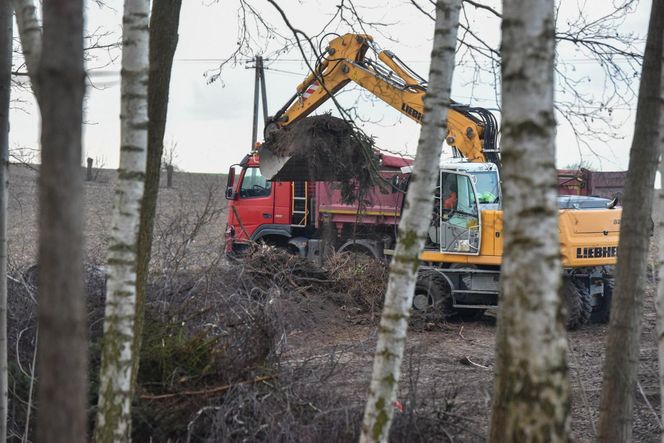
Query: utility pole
[(259, 89), (5, 92)]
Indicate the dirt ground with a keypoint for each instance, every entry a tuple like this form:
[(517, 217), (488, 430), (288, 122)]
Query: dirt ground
[(437, 360), (455, 361), (192, 196)]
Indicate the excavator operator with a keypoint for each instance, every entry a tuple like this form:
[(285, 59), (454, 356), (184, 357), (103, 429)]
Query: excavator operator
[(451, 200)]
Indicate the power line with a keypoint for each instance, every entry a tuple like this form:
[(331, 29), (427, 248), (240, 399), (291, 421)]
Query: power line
[(293, 60), (299, 74)]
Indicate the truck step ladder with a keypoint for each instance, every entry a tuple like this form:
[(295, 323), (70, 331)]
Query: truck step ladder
[(300, 204)]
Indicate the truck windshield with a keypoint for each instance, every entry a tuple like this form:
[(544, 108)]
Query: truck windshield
[(254, 184), (488, 188)]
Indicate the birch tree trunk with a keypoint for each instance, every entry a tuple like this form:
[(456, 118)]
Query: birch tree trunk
[(115, 393), (530, 401), (622, 351), (658, 217), (164, 22), (412, 229), (5, 88), (62, 352), (30, 33)]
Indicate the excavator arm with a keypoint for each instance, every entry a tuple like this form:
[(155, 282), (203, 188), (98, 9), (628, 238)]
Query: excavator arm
[(471, 131)]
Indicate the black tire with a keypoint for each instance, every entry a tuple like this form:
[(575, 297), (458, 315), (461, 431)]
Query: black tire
[(578, 303), (602, 310), (432, 294)]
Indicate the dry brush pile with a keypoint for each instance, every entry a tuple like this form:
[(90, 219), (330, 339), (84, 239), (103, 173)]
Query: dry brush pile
[(211, 359), (212, 366)]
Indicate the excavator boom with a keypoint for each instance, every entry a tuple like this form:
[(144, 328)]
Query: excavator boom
[(471, 131)]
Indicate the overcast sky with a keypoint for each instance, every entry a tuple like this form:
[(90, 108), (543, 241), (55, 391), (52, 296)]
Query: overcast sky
[(211, 122)]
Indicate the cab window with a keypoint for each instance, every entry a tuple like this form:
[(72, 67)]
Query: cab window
[(459, 230), (254, 184), (458, 194), (466, 196), (488, 188)]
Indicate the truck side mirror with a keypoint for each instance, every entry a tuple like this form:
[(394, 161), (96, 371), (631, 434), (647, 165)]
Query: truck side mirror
[(230, 191)]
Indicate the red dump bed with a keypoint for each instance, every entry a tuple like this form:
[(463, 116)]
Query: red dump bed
[(381, 205), (607, 184)]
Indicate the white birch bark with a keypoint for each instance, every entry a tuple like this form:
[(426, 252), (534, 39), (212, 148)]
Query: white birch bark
[(412, 229), (530, 401), (30, 33), (113, 417)]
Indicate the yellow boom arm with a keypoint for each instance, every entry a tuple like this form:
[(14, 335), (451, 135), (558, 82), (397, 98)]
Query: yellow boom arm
[(344, 61)]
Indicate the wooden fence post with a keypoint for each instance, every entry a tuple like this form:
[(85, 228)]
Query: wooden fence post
[(88, 176), (169, 176)]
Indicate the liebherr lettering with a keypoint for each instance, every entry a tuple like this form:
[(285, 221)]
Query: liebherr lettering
[(606, 251), (412, 112)]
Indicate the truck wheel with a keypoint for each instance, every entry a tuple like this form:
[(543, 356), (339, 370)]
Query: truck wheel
[(432, 294), (579, 304), (602, 310)]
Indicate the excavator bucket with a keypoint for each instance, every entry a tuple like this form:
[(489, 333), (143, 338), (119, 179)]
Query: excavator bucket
[(271, 164), (317, 148)]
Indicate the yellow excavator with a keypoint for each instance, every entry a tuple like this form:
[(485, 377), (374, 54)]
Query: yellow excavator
[(461, 261)]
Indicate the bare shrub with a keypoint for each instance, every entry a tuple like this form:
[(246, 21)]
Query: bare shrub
[(306, 401), (22, 339), (430, 410), (202, 330), (208, 334), (296, 406), (188, 232)]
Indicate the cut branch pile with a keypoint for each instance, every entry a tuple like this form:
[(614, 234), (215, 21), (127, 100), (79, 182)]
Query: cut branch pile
[(267, 267), (354, 282), (213, 335)]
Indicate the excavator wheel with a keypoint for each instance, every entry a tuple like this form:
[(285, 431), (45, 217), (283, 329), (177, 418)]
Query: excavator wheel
[(578, 302), (432, 294), (602, 310)]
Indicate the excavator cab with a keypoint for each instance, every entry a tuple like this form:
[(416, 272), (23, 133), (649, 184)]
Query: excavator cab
[(456, 225)]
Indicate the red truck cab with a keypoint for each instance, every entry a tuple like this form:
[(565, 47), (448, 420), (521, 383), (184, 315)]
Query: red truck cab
[(256, 207)]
